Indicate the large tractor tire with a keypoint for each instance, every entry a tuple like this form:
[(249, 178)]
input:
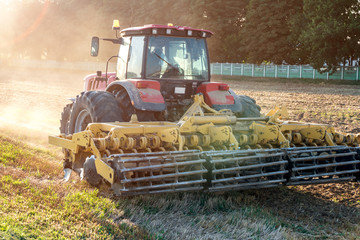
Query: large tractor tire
[(64, 128), (249, 107), (127, 109), (65, 118), (93, 106), (89, 107)]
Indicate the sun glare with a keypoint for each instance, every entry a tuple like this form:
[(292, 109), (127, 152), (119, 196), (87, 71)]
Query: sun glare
[(5, 1)]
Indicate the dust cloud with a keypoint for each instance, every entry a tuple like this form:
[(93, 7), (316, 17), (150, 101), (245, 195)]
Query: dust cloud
[(52, 30), (31, 100), (39, 32)]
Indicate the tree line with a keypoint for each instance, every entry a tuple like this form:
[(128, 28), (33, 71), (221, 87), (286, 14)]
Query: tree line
[(322, 33)]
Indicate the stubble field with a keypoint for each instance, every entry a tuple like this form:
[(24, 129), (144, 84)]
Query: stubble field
[(31, 101)]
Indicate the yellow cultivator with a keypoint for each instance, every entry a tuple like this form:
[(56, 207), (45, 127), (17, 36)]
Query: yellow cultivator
[(209, 150)]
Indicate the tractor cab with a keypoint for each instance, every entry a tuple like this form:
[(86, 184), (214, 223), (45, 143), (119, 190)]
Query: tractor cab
[(159, 70), (162, 57), (177, 57)]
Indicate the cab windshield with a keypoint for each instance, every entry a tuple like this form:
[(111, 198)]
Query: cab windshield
[(176, 58)]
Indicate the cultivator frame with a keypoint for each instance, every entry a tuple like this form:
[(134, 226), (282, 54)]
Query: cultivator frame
[(209, 150)]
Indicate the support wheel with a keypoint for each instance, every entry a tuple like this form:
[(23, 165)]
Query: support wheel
[(90, 173)]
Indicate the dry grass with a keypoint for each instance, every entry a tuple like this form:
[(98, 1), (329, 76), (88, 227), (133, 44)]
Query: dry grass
[(281, 213), (35, 161), (202, 216), (34, 204)]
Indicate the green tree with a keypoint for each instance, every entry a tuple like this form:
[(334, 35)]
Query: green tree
[(267, 35), (221, 17), (332, 32), (225, 19)]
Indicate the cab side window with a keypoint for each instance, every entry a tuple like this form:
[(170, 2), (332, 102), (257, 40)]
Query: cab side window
[(135, 62), (123, 56)]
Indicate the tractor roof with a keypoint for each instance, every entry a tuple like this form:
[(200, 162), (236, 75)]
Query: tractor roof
[(169, 30)]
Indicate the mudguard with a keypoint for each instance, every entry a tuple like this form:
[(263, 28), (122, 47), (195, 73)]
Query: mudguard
[(144, 94), (95, 82), (220, 96)]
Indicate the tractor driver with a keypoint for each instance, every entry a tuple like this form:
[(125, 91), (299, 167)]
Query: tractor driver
[(156, 60), (158, 64)]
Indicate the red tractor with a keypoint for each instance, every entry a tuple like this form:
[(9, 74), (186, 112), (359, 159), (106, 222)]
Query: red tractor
[(159, 69)]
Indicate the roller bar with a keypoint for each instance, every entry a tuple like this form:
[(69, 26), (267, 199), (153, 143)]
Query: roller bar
[(213, 171)]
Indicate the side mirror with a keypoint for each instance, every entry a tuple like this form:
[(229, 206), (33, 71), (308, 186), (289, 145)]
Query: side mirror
[(94, 46)]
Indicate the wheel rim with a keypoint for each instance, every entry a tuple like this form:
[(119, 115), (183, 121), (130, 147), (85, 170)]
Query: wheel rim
[(82, 120)]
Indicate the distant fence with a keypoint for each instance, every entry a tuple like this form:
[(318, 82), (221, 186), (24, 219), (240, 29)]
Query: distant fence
[(282, 71), (226, 69)]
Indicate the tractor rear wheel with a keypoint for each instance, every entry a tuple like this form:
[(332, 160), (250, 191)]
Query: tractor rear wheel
[(93, 106), (249, 107), (128, 109), (64, 129), (65, 117), (89, 107)]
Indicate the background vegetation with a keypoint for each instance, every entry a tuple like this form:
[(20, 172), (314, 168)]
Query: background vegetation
[(254, 31)]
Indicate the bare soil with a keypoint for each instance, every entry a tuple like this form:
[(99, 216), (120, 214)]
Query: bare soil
[(31, 101)]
